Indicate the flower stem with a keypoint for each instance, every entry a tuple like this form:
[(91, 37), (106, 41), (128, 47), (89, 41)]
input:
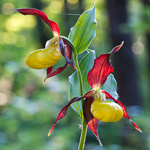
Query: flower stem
[(80, 82), (84, 126), (83, 136)]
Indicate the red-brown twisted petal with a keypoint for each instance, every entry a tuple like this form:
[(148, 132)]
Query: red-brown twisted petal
[(101, 69), (53, 25), (63, 112), (55, 72), (92, 122), (125, 114)]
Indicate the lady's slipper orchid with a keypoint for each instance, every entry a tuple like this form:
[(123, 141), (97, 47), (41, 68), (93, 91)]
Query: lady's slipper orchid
[(50, 55), (95, 107)]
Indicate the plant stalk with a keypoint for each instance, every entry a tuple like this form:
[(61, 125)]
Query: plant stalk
[(84, 126)]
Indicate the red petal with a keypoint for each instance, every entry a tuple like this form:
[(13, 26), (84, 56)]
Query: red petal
[(90, 120), (49, 70), (135, 126), (115, 49), (101, 69), (55, 72), (89, 94), (53, 25), (66, 51), (125, 114), (63, 112)]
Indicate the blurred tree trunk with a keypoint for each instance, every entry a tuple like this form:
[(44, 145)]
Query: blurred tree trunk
[(146, 19), (124, 61), (69, 19)]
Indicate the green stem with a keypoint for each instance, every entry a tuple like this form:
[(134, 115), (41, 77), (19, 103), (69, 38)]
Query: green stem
[(83, 136), (84, 126), (80, 81)]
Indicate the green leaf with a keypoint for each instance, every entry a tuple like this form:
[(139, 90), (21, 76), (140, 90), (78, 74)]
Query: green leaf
[(111, 86), (86, 65), (84, 31)]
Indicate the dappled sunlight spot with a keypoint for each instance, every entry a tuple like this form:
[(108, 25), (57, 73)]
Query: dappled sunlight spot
[(103, 19), (56, 86), (72, 1), (5, 85), (56, 140), (7, 8), (12, 67), (72, 5), (9, 38), (138, 48), (21, 41), (3, 99), (25, 104), (55, 7), (16, 22)]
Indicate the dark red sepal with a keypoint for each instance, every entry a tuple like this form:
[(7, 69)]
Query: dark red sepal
[(66, 51), (101, 69), (135, 126), (53, 25), (116, 48), (55, 72), (92, 122), (125, 114), (63, 112)]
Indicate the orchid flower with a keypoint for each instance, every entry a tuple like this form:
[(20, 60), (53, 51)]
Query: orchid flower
[(50, 55), (95, 107)]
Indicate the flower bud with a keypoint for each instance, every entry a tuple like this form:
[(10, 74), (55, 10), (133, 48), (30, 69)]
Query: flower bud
[(44, 58), (106, 111)]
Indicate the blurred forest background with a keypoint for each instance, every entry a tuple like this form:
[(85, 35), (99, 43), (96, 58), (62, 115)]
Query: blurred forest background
[(28, 107)]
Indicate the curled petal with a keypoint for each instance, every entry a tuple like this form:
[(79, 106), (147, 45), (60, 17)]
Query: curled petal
[(63, 112), (125, 114), (92, 122), (101, 69), (116, 48), (55, 72), (53, 25), (66, 51)]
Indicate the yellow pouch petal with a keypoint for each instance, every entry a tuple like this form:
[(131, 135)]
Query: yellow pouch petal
[(44, 58), (106, 111)]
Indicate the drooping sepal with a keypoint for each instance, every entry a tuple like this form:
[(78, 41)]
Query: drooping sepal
[(125, 114), (55, 72), (135, 126), (101, 69), (116, 48), (53, 25), (63, 112), (92, 122)]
